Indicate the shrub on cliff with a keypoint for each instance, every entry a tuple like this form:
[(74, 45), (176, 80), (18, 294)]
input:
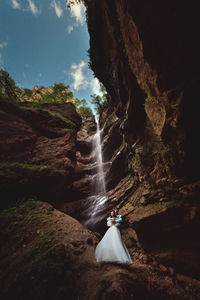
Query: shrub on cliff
[(58, 94), (100, 102), (85, 111), (9, 91)]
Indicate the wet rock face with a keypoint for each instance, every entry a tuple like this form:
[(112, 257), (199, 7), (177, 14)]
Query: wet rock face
[(80, 187), (150, 68), (38, 150), (147, 56), (85, 135)]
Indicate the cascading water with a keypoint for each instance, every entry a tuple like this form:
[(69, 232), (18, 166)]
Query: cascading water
[(95, 203), (99, 181)]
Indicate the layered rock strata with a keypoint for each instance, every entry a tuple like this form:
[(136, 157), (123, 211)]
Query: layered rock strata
[(80, 188), (37, 150), (147, 56)]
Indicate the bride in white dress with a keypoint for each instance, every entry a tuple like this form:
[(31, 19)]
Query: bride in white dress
[(111, 248)]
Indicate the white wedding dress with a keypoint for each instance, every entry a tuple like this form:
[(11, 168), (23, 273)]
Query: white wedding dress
[(111, 248)]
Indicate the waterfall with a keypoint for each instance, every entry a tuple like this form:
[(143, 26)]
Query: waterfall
[(94, 204), (98, 182)]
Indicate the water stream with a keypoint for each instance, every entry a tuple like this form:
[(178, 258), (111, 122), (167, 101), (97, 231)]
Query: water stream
[(95, 203)]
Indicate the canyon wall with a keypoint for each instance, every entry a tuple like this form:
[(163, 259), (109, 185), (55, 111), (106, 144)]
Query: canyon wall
[(147, 56), (80, 188), (46, 254), (37, 151), (146, 53)]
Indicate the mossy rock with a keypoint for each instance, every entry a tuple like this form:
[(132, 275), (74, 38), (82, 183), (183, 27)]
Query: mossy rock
[(32, 264), (21, 173), (53, 112)]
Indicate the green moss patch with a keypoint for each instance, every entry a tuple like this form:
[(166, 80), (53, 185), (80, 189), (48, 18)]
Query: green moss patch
[(21, 172), (38, 107), (150, 98), (58, 115), (9, 165)]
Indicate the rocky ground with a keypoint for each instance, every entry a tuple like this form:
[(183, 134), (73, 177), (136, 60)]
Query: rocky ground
[(46, 254)]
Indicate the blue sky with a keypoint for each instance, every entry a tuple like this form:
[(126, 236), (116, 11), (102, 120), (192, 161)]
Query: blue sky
[(42, 42)]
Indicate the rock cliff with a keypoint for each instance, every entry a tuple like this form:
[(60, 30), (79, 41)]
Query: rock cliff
[(37, 150), (80, 187), (146, 53)]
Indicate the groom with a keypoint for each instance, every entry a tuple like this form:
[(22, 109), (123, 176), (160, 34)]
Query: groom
[(119, 217)]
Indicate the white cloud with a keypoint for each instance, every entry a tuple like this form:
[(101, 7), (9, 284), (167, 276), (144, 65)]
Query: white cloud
[(79, 79), (33, 8), (95, 86), (58, 9), (70, 28), (15, 4), (77, 11), (3, 45)]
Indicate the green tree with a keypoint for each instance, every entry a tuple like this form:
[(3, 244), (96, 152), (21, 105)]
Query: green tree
[(8, 89), (77, 102), (100, 102), (28, 92), (82, 107), (59, 94), (85, 111)]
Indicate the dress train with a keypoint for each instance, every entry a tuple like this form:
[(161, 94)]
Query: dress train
[(112, 248)]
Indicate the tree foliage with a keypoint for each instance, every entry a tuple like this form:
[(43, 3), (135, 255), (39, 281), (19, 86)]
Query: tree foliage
[(58, 94), (73, 2), (8, 89), (28, 93), (100, 102), (85, 111)]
